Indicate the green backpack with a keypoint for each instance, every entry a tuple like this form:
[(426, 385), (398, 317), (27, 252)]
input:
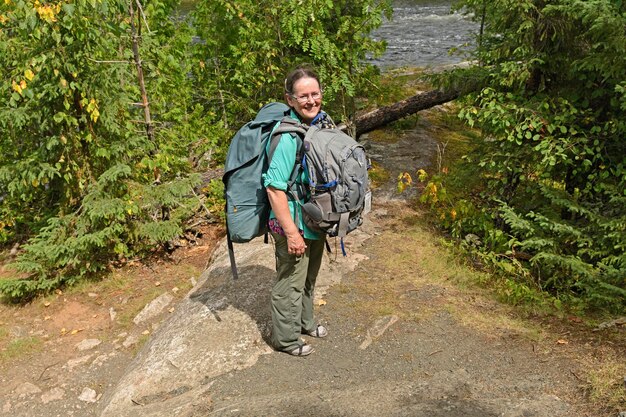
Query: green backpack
[(247, 204)]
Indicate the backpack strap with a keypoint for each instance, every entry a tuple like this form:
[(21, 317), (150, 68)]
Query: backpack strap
[(298, 131), (231, 255)]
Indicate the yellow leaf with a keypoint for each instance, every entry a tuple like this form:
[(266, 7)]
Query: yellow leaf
[(47, 304), (562, 342), (17, 87), (321, 302), (29, 75), (94, 115)]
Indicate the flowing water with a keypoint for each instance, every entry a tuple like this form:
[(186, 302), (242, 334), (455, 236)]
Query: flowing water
[(422, 33)]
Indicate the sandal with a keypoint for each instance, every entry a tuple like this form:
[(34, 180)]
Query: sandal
[(302, 350), (319, 331)]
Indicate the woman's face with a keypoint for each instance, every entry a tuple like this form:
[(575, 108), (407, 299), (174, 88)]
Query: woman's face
[(306, 98)]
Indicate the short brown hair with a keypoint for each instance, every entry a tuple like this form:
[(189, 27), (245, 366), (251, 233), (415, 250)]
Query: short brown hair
[(302, 71)]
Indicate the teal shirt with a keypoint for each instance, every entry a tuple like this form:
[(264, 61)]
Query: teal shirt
[(278, 174)]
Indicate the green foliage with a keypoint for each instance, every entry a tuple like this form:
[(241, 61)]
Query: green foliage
[(115, 220), (81, 179), (332, 34), (552, 156), (74, 147), (215, 201), (247, 47)]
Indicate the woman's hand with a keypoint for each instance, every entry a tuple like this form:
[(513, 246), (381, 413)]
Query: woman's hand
[(278, 201), (295, 244)]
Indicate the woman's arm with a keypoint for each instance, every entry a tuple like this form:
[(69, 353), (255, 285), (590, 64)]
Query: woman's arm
[(280, 205)]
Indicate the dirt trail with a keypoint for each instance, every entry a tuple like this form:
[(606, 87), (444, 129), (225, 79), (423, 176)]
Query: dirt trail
[(409, 336), (398, 346)]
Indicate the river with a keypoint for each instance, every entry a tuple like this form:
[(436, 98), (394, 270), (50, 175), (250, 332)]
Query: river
[(422, 32)]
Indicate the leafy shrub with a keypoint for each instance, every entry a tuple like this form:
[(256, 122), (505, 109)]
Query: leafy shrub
[(551, 158)]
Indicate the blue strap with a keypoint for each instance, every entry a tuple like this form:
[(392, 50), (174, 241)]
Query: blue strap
[(319, 116), (312, 184), (343, 248)]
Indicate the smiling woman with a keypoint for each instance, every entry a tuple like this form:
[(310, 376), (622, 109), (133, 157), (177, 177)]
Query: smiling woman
[(299, 249)]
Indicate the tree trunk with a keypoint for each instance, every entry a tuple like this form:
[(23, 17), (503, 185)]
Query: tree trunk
[(144, 95), (384, 115)]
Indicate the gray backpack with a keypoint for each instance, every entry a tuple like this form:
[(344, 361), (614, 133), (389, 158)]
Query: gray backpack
[(339, 185)]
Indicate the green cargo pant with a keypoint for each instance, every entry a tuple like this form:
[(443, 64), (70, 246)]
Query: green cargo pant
[(292, 295)]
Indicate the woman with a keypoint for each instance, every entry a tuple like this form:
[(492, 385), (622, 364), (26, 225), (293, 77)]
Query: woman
[(298, 249)]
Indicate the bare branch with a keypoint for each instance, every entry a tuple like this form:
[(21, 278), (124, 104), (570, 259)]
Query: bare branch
[(143, 15), (108, 62)]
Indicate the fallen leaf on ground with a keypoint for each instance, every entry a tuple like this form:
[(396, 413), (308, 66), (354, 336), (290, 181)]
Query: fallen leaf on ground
[(562, 342), (321, 303), (46, 304)]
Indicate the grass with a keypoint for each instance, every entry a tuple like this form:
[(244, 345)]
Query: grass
[(21, 347), (378, 175), (606, 385), (412, 263)]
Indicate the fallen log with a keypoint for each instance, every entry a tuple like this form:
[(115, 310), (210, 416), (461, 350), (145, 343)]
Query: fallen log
[(382, 116), (387, 114)]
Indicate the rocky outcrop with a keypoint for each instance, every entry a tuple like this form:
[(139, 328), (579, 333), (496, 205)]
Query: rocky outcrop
[(220, 326)]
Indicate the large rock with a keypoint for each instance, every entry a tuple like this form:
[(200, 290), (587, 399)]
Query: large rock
[(154, 308), (220, 326)]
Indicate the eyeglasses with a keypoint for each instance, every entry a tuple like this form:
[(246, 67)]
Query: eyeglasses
[(303, 99)]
